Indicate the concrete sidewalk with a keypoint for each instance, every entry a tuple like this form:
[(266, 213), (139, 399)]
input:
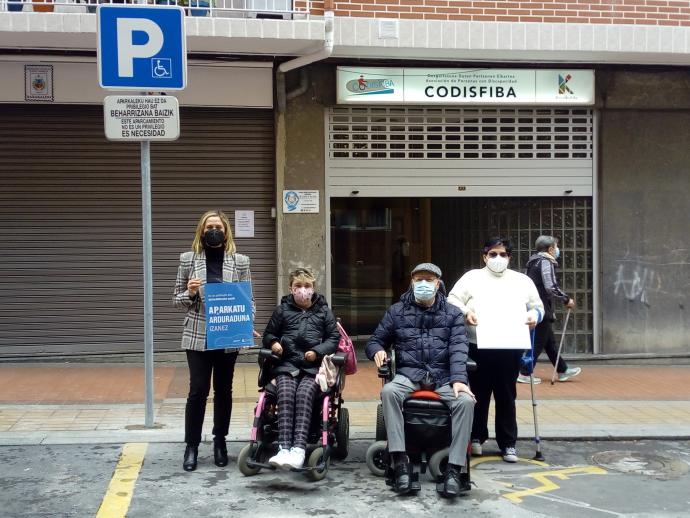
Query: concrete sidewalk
[(80, 403)]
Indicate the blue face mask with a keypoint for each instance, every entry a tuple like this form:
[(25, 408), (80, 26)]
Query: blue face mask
[(557, 253), (424, 290)]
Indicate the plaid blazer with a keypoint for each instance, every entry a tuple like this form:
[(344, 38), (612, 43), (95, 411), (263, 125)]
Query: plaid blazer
[(193, 266)]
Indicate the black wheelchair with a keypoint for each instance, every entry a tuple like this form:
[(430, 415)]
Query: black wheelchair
[(427, 433), (328, 433)]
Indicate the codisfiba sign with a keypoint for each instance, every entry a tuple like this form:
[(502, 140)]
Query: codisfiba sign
[(464, 86)]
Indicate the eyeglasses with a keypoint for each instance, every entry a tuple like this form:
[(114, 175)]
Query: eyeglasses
[(496, 254)]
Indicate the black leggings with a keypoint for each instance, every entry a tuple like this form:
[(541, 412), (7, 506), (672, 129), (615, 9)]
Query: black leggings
[(301, 392), (201, 365), (497, 372)]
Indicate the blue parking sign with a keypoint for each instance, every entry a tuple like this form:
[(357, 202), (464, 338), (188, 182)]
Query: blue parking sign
[(141, 48)]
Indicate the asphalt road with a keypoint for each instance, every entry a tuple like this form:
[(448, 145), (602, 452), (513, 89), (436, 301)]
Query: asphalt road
[(579, 479)]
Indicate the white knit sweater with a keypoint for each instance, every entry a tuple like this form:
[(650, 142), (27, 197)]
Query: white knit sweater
[(487, 285)]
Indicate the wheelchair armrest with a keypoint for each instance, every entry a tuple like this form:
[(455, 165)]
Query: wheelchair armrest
[(339, 359), (266, 355), (384, 370), (471, 365)]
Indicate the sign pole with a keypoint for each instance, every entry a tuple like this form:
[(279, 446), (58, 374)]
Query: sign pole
[(158, 64), (148, 277)]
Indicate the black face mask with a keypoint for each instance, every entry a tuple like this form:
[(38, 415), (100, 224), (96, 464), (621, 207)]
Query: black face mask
[(214, 238)]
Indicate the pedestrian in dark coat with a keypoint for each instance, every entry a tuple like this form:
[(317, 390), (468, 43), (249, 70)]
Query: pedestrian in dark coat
[(302, 330), (541, 268)]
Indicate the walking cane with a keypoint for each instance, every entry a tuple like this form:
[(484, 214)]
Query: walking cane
[(537, 440), (560, 347)]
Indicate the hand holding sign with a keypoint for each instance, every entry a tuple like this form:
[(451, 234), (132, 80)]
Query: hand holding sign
[(193, 286)]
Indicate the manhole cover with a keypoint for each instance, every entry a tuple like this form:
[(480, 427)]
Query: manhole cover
[(641, 463)]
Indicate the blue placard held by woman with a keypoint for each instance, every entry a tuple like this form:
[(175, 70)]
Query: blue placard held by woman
[(229, 322)]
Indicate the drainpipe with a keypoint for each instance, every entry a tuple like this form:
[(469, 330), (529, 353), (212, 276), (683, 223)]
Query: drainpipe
[(323, 53), (301, 61)]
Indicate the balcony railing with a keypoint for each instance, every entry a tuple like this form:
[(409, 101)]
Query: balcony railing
[(275, 9)]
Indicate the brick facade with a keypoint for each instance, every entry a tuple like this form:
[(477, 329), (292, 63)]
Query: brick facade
[(630, 12)]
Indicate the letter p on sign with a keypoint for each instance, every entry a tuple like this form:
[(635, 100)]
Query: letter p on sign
[(141, 48), (127, 50)]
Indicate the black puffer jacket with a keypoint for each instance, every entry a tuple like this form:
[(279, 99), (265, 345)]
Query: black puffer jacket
[(300, 330), (425, 340), (542, 270)]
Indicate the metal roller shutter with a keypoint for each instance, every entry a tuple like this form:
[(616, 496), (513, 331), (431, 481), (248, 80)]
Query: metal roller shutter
[(70, 207), (450, 151)]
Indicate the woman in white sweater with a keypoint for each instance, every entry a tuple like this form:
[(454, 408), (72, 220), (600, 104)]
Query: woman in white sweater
[(497, 369)]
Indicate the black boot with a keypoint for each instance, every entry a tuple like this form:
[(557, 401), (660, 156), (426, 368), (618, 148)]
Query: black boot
[(220, 452), (402, 478), (453, 483), (190, 456)]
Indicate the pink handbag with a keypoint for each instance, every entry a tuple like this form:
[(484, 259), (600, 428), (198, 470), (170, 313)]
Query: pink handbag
[(345, 346)]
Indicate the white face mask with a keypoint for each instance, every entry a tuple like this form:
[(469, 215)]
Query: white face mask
[(497, 264)]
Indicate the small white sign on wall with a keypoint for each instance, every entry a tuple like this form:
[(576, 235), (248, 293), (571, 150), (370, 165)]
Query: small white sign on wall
[(300, 202), (244, 223), (38, 83)]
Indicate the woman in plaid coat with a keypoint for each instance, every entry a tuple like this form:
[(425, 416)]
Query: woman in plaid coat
[(212, 259)]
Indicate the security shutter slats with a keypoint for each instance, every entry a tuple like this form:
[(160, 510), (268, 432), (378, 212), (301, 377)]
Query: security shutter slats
[(70, 207), (459, 151)]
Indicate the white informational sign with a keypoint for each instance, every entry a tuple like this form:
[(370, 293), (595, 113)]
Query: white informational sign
[(244, 223), (300, 202), (464, 86), (141, 117), (501, 324)]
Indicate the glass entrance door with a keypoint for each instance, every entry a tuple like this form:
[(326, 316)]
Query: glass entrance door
[(375, 242)]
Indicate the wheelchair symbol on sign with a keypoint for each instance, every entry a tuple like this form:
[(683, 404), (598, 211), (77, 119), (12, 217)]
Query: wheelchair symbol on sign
[(161, 68)]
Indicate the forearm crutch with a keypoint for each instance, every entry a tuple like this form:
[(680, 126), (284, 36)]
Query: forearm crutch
[(537, 440)]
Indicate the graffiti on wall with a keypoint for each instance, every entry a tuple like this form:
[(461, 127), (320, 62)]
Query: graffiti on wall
[(636, 282), (643, 278)]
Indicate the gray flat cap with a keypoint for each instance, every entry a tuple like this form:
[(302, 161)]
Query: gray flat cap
[(427, 267)]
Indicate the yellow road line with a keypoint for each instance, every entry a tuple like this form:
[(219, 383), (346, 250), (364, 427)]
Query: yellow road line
[(116, 501), (548, 485)]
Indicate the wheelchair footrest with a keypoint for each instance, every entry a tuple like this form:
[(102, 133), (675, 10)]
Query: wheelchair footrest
[(263, 465), (414, 483)]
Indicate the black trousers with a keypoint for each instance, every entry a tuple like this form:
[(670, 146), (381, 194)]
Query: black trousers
[(201, 365), (544, 340), (497, 372)]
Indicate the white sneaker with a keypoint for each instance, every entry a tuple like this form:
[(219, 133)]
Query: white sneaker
[(476, 448), (295, 458), (281, 458), (569, 373), (525, 379), (510, 454)]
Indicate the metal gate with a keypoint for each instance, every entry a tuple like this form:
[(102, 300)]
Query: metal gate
[(389, 151), (70, 208), (471, 221)]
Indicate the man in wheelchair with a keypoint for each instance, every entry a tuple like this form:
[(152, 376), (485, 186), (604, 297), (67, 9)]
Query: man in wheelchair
[(428, 337)]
